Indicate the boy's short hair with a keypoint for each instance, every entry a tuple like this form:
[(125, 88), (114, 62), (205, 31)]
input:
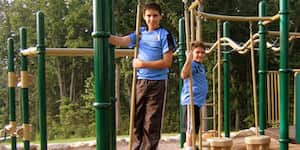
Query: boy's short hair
[(152, 6), (196, 44)]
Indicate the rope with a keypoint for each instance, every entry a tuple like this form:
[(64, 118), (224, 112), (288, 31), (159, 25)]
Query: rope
[(133, 90), (200, 128), (233, 18), (187, 32), (199, 38), (219, 78), (214, 97), (192, 24), (199, 25), (225, 41), (253, 78)]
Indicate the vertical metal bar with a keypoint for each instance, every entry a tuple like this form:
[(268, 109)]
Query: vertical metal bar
[(297, 106), (104, 102), (262, 69), (11, 92), (181, 60), (41, 79), (226, 82), (111, 76), (295, 92), (283, 69), (24, 88)]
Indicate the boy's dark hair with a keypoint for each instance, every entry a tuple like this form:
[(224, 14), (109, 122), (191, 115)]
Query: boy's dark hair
[(152, 6), (196, 44)]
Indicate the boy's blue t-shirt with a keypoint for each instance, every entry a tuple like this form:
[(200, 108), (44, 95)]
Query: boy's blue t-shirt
[(200, 86), (153, 45)]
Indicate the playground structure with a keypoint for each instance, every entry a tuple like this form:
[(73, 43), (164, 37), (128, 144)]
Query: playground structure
[(103, 58)]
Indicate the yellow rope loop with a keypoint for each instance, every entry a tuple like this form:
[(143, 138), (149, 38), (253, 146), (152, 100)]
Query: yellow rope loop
[(12, 79), (26, 79), (27, 130)]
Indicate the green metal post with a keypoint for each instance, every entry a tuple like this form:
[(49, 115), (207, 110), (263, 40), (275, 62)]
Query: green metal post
[(226, 82), (297, 94), (41, 79), (24, 88), (262, 70), (181, 60), (111, 76), (103, 103), (12, 91), (283, 76)]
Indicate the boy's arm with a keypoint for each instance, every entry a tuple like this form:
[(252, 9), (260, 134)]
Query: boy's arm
[(166, 62), (187, 65), (119, 40)]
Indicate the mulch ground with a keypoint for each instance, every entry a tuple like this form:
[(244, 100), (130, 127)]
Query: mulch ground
[(166, 143)]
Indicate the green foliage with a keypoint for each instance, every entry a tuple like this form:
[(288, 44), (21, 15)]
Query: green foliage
[(249, 120), (76, 119)]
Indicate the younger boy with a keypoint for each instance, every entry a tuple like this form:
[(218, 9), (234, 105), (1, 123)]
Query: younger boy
[(194, 60)]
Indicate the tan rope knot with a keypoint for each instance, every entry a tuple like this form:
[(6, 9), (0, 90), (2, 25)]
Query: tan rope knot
[(12, 79), (11, 128), (27, 130), (26, 80)]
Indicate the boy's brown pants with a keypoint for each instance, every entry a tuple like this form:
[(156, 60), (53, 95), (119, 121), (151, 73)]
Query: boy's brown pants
[(149, 107)]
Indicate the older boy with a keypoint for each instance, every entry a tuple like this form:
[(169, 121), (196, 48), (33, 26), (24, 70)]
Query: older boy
[(156, 46)]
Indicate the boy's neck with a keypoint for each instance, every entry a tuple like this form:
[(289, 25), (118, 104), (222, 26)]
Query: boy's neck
[(152, 29), (197, 61)]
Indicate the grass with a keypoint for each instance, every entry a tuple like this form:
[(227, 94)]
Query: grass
[(70, 140)]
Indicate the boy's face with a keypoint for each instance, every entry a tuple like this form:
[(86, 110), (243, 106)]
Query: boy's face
[(152, 19), (198, 54)]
